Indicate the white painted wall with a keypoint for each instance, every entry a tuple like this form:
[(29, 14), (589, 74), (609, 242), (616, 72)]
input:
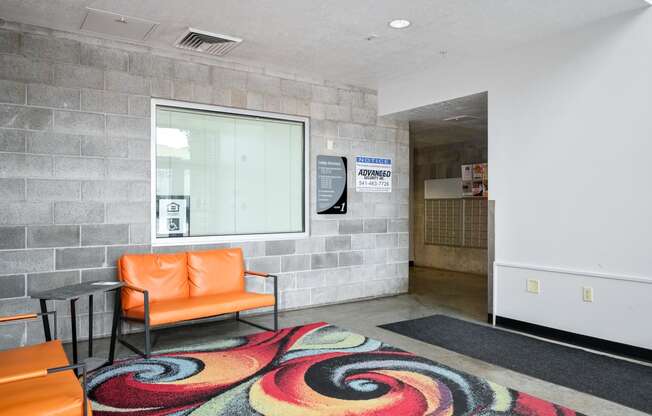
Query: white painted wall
[(570, 147)]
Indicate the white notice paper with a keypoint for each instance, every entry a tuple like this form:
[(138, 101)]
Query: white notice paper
[(373, 174)]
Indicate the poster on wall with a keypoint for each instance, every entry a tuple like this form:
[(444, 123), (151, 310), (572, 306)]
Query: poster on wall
[(331, 185), (373, 174), (173, 215), (467, 173), (474, 180)]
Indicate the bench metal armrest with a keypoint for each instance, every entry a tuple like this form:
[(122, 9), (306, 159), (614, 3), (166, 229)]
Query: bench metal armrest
[(136, 288), (24, 316), (265, 275), (259, 274), (143, 291), (20, 317)]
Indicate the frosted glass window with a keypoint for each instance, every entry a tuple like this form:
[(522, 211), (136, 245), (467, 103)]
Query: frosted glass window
[(227, 174)]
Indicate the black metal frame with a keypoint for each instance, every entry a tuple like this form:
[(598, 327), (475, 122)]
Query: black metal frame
[(73, 325), (148, 328), (46, 321), (264, 275)]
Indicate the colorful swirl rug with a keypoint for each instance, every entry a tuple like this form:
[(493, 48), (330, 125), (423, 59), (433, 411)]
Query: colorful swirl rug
[(316, 369)]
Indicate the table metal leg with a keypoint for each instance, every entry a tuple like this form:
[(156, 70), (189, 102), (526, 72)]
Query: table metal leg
[(114, 329), (46, 320), (73, 325), (90, 325)]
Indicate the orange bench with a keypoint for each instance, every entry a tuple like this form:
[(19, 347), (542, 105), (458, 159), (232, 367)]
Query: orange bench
[(38, 380), (169, 289)]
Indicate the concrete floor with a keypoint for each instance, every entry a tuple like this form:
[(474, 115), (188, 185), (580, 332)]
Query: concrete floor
[(464, 294), (455, 294)]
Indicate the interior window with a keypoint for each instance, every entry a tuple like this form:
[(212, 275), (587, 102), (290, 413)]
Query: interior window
[(227, 174)]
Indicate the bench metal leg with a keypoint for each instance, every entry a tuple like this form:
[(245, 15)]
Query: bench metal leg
[(90, 325), (116, 323), (275, 304), (237, 314), (237, 318), (73, 327), (132, 347), (148, 339), (46, 320)]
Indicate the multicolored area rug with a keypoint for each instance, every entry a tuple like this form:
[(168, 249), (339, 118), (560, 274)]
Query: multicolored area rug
[(316, 369)]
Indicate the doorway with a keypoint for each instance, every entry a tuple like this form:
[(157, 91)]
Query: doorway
[(451, 232)]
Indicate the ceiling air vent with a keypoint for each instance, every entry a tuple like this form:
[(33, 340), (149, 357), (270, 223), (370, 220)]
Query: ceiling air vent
[(206, 42), (461, 118)]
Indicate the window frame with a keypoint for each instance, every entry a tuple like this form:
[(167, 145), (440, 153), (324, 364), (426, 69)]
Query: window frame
[(232, 238)]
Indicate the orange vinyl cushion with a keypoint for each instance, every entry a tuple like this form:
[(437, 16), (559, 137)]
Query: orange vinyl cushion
[(216, 271), (57, 394), (164, 276), (176, 310)]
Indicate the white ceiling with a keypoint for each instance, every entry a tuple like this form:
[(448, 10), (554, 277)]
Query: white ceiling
[(327, 39), (469, 112), (437, 124)]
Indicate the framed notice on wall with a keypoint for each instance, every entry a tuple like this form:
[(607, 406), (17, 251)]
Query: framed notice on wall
[(331, 185), (173, 215), (373, 174)]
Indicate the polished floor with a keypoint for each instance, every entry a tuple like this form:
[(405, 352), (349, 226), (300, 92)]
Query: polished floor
[(432, 291), (463, 294)]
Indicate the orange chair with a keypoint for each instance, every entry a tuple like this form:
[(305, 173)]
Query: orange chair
[(38, 380), (165, 290)]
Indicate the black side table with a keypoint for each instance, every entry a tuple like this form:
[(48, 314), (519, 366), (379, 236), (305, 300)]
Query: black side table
[(72, 293)]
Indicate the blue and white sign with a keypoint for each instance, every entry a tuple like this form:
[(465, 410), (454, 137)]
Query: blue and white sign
[(373, 174)]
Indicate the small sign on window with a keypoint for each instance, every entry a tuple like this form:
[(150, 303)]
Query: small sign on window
[(173, 216)]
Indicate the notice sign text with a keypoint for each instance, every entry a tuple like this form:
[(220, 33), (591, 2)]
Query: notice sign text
[(373, 174)]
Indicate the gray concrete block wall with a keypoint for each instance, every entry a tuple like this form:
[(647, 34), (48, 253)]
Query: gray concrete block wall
[(75, 172)]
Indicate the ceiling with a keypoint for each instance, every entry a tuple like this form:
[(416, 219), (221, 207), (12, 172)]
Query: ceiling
[(459, 120), (328, 39), (469, 112)]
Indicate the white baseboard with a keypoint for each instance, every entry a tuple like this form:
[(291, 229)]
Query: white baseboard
[(620, 311)]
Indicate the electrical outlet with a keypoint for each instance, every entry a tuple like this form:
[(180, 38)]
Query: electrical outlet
[(533, 286), (587, 294)]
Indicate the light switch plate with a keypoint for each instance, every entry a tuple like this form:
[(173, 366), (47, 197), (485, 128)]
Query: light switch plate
[(587, 294), (533, 286)]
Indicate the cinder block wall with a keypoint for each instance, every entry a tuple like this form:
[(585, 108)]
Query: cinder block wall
[(75, 173)]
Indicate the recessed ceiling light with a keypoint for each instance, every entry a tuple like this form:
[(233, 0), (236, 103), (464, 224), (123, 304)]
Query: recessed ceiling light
[(399, 23)]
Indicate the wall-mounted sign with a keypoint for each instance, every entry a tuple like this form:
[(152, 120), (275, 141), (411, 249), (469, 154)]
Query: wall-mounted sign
[(331, 185), (373, 174), (173, 215)]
